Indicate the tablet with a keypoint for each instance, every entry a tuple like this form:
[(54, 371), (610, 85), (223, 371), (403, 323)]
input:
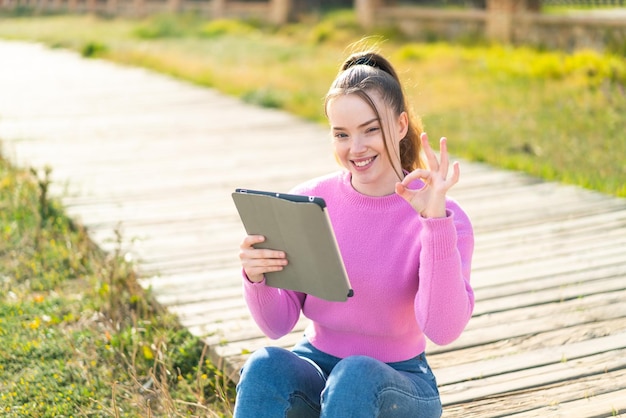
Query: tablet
[(299, 226)]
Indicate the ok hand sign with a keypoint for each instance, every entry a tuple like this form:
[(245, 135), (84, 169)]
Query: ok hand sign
[(430, 200)]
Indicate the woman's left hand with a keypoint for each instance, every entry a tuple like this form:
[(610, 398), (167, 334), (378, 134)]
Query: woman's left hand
[(430, 200)]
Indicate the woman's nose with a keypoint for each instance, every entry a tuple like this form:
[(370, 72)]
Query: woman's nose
[(358, 145)]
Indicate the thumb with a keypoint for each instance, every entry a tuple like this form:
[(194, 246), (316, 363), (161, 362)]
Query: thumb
[(402, 191)]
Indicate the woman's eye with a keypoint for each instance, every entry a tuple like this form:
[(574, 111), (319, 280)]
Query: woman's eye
[(340, 135), (373, 129)]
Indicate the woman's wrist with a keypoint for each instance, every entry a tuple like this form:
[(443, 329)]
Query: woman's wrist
[(438, 211), (434, 215)]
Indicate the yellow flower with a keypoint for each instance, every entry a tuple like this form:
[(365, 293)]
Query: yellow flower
[(35, 323)]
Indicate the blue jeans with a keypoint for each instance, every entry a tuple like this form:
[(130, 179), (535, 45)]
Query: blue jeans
[(306, 382)]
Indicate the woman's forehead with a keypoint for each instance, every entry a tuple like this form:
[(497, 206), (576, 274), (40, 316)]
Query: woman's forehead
[(351, 106), (366, 97), (356, 110)]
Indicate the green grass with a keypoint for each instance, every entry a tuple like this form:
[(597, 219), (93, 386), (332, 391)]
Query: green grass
[(79, 336), (552, 114)]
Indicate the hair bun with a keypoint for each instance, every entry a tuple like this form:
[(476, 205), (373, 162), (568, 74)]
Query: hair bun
[(365, 60), (368, 59)]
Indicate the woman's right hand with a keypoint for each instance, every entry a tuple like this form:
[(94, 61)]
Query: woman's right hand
[(257, 262)]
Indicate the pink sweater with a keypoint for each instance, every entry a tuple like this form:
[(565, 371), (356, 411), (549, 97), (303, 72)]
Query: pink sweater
[(410, 277)]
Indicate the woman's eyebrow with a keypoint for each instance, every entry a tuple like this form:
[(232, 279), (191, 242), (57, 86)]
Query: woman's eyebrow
[(339, 128)]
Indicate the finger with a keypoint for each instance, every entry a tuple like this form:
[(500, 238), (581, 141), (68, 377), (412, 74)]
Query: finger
[(264, 264), (248, 245), (419, 173), (444, 163), (256, 274), (405, 193), (456, 173), (261, 254), (433, 164), (257, 262), (402, 191), (250, 240), (256, 267)]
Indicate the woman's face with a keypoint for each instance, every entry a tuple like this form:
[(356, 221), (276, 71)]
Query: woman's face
[(359, 143)]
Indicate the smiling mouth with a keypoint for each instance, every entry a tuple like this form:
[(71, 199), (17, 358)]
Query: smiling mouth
[(362, 163)]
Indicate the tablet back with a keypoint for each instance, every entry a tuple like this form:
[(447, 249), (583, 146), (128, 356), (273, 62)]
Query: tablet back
[(299, 226)]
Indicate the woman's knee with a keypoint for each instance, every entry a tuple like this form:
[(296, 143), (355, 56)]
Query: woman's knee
[(356, 369), (355, 375), (278, 383), (275, 368), (266, 360), (369, 387)]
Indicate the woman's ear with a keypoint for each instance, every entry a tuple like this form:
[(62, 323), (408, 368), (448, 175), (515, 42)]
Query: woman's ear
[(403, 125)]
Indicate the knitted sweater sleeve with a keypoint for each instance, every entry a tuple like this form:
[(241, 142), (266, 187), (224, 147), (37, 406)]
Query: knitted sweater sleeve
[(445, 299), (275, 311)]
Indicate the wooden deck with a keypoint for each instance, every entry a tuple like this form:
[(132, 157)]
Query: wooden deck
[(158, 159)]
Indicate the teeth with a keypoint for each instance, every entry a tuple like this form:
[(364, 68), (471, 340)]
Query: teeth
[(363, 163)]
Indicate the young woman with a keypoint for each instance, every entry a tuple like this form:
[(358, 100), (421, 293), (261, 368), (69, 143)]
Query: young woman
[(407, 249)]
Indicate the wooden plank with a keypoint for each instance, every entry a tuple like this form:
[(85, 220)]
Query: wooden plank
[(526, 287), (240, 331), (607, 404), (532, 270), (536, 377), (502, 331), (528, 360), (561, 228), (219, 276), (590, 305), (237, 348), (539, 297), (555, 338), (200, 295), (540, 402), (546, 246)]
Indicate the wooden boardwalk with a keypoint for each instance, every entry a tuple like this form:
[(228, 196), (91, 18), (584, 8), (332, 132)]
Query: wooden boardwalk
[(157, 159)]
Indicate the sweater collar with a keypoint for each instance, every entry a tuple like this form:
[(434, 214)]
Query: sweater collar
[(379, 203)]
